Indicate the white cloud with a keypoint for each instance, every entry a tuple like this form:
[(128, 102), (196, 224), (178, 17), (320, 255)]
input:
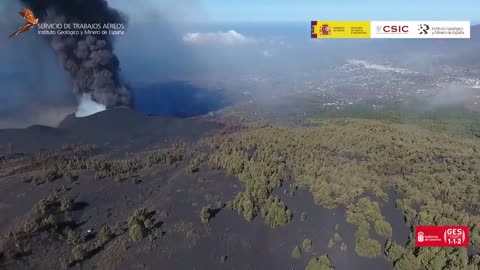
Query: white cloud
[(267, 53), (383, 68), (231, 37), (88, 107)]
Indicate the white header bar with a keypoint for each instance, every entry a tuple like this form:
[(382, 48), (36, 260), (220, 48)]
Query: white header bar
[(420, 29)]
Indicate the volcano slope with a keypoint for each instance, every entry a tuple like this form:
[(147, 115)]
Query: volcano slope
[(192, 194)]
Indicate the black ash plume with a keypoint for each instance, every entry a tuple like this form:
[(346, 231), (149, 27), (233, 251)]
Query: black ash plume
[(89, 59)]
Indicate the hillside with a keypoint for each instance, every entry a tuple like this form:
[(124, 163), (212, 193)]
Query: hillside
[(121, 128), (340, 193)]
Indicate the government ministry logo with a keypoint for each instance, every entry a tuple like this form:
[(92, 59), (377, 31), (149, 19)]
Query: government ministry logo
[(325, 30), (423, 29)]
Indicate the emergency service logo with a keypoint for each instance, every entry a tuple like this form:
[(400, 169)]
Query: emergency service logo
[(441, 236)]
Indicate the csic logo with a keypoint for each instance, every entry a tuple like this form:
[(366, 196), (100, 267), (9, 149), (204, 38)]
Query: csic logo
[(392, 29), (423, 29), (325, 30)]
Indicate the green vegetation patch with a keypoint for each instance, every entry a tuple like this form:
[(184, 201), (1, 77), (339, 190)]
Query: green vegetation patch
[(104, 236), (205, 214), (140, 224), (321, 263), (307, 244), (168, 157), (58, 164), (368, 248), (303, 217), (194, 165), (275, 212), (340, 161), (296, 252), (454, 120), (334, 240), (364, 213)]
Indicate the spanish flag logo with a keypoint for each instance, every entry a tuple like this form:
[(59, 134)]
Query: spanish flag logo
[(340, 29)]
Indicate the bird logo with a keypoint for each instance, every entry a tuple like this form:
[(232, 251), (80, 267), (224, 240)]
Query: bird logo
[(27, 14)]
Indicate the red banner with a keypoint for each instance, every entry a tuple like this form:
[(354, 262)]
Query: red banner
[(441, 236)]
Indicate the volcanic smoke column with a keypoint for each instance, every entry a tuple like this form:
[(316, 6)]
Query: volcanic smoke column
[(90, 60)]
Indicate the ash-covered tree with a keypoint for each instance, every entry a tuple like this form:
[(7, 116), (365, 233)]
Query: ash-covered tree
[(275, 212), (205, 214), (140, 224)]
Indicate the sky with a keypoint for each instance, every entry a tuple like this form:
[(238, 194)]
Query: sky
[(169, 44), (306, 10), (278, 10), (293, 10)]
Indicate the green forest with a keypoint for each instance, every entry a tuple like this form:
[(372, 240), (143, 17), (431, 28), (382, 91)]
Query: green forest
[(352, 163), (348, 163)]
